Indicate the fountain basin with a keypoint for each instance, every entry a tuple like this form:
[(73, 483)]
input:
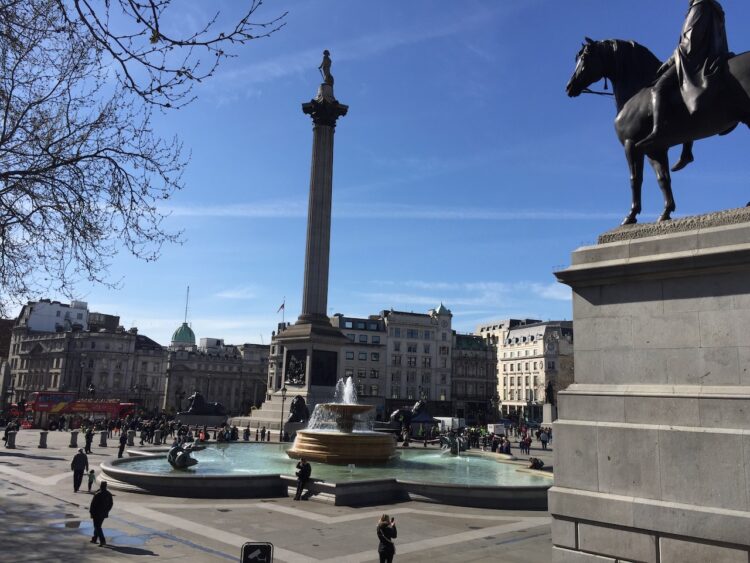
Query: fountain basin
[(340, 448)]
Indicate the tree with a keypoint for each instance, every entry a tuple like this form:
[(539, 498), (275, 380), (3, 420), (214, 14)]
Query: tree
[(81, 170)]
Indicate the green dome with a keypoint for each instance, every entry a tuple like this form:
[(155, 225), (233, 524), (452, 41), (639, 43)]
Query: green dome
[(184, 335)]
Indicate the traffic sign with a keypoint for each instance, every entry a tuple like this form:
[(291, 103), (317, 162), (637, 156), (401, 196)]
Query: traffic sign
[(257, 552)]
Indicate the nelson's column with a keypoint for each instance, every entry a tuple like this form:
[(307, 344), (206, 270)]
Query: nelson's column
[(308, 350)]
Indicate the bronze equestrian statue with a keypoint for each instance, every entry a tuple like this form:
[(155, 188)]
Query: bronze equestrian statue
[(709, 95)]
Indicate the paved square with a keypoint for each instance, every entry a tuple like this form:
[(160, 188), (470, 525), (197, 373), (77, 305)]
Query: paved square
[(45, 520)]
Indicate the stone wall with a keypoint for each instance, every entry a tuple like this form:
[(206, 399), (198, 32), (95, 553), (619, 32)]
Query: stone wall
[(652, 444)]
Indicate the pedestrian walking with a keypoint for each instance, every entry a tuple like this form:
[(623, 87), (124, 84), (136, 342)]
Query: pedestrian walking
[(92, 478), (89, 438), (101, 504), (303, 474), (263, 434), (78, 466), (123, 443), (386, 534)]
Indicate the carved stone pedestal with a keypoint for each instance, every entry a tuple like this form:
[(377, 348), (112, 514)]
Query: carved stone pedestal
[(652, 443)]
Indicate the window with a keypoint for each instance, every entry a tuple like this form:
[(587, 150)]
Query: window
[(360, 388), (550, 365), (350, 355), (412, 333), (427, 335), (411, 376), (505, 367), (442, 395), (363, 338), (349, 372), (93, 344), (526, 366), (375, 356), (397, 346), (444, 337), (411, 361), (362, 356), (518, 367), (443, 362), (374, 374), (79, 316), (534, 365), (426, 378), (511, 367), (426, 362), (362, 373), (443, 379), (374, 390), (397, 332), (395, 393), (395, 376), (526, 381), (526, 353), (350, 337), (361, 325), (410, 393), (426, 348), (443, 350), (396, 360), (372, 326), (411, 348), (376, 339), (348, 324)]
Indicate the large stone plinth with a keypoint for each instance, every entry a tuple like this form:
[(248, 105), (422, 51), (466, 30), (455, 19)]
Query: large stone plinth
[(652, 443)]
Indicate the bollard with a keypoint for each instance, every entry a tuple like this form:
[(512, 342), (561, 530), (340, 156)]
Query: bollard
[(157, 437), (131, 437), (43, 439), (11, 443), (103, 439), (73, 439)]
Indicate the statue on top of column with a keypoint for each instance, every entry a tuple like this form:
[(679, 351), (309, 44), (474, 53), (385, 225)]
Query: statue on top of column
[(325, 68)]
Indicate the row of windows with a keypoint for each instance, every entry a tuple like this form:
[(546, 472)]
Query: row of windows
[(518, 395), (411, 361), (374, 356), (517, 380), (361, 325), (411, 394), (362, 373), (411, 377), (413, 333), (550, 365), (518, 354), (374, 339)]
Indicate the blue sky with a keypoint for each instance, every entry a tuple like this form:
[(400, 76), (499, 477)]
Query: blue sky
[(462, 173)]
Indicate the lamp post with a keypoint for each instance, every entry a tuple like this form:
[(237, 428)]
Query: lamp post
[(281, 422)]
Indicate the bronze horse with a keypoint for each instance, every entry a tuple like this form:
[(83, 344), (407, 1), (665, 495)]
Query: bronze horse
[(632, 70)]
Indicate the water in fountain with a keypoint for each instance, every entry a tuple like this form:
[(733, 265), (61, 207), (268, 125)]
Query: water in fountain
[(325, 419)]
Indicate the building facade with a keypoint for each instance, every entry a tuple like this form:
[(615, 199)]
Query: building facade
[(224, 373), (474, 379), (103, 361), (534, 363)]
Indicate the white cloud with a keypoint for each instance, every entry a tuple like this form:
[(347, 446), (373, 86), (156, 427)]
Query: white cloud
[(237, 293)]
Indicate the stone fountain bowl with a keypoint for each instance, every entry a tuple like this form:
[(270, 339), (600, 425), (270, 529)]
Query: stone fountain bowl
[(347, 410), (342, 448)]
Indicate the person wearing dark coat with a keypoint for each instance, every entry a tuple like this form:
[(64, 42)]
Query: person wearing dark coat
[(89, 438), (101, 504), (386, 534), (123, 442), (303, 474), (79, 466)]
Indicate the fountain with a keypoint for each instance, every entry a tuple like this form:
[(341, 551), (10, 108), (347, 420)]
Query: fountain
[(339, 433)]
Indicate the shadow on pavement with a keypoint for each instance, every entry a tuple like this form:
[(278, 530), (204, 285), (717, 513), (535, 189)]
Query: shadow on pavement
[(130, 550), (30, 456)]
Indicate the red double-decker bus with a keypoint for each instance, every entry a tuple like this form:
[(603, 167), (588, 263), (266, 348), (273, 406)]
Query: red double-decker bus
[(44, 408)]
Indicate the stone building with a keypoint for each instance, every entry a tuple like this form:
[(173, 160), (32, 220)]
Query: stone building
[(224, 373), (419, 359), (533, 358), (102, 360), (365, 357), (474, 379)]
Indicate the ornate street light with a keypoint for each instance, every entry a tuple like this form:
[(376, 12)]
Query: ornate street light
[(281, 422)]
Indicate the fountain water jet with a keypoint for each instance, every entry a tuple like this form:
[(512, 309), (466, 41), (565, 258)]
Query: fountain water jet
[(339, 434)]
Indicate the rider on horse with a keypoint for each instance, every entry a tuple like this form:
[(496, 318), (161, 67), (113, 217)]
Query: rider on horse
[(695, 66)]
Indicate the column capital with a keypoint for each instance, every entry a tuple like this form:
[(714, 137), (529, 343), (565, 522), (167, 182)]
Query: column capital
[(324, 108)]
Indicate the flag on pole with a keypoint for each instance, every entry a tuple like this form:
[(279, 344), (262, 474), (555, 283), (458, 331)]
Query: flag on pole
[(281, 307)]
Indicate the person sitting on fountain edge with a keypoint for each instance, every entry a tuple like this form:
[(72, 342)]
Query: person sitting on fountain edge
[(304, 470)]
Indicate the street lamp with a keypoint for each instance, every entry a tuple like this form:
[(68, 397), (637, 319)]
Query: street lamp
[(281, 422)]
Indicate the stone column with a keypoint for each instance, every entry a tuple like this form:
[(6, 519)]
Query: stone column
[(11, 442), (73, 439), (324, 110), (43, 439), (103, 439), (131, 437)]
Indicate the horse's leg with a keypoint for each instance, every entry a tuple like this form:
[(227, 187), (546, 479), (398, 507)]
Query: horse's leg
[(685, 158), (660, 163), (635, 164)]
